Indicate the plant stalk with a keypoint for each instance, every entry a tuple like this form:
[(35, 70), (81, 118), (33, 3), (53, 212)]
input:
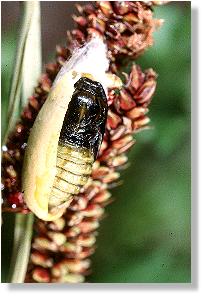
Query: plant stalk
[(21, 249), (27, 69)]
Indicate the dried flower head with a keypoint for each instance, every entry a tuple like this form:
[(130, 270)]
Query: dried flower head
[(60, 249)]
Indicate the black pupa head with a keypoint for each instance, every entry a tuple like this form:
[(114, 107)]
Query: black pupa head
[(85, 119)]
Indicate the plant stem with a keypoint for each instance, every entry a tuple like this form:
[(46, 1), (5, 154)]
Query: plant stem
[(21, 249), (28, 63), (26, 72)]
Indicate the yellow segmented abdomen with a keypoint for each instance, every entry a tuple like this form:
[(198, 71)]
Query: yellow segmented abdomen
[(73, 168)]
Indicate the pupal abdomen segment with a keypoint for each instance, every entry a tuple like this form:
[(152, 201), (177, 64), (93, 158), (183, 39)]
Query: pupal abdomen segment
[(73, 168)]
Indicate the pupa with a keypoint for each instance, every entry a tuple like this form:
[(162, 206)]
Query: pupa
[(67, 133)]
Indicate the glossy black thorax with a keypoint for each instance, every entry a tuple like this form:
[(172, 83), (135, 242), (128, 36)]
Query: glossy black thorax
[(85, 119)]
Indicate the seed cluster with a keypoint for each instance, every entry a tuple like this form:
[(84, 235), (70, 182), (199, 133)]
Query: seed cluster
[(60, 249)]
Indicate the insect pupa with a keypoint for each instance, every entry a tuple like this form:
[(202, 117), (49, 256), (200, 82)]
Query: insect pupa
[(66, 135), (80, 139)]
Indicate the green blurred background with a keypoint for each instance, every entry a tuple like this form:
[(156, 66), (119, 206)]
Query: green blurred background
[(145, 237)]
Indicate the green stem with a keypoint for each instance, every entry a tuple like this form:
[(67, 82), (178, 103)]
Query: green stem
[(21, 249), (26, 71), (28, 52)]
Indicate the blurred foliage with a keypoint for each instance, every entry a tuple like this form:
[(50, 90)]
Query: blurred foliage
[(145, 237)]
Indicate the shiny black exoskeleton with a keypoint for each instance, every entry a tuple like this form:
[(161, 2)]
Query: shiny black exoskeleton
[(85, 119)]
